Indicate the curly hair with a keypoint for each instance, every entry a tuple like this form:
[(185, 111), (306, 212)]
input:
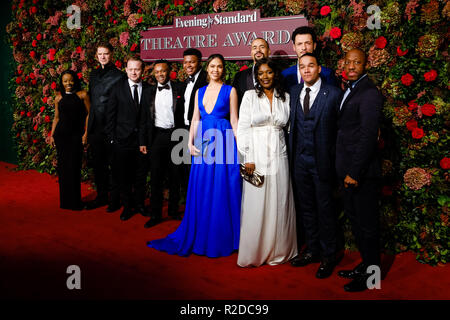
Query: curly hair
[(277, 79)]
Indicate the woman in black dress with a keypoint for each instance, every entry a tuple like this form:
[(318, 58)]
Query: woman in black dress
[(69, 135)]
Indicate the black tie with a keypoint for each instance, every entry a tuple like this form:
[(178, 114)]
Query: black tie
[(191, 79), (136, 95), (306, 102), (166, 86)]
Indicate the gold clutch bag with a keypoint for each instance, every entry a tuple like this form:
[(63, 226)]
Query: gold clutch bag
[(255, 179)]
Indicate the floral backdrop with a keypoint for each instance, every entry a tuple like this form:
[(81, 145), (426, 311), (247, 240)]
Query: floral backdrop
[(407, 59)]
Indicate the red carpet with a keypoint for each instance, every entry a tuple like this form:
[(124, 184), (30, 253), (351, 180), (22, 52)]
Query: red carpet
[(39, 241)]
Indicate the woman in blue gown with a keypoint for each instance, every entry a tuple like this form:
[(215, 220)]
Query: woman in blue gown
[(211, 220)]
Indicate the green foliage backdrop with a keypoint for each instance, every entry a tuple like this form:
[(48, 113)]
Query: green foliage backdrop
[(408, 60)]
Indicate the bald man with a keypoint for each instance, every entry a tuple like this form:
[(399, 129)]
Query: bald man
[(358, 166), (244, 80)]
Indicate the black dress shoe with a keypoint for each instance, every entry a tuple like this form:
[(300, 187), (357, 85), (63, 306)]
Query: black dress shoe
[(96, 203), (305, 259), (325, 269), (358, 284), (352, 274), (113, 207), (152, 222), (142, 210), (127, 213)]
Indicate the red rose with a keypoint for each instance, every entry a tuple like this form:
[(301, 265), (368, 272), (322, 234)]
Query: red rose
[(430, 75), (42, 108), (400, 52), (411, 124), (115, 21), (407, 79), (22, 113), (35, 141), (35, 127), (32, 54), (18, 80), (32, 76), (325, 10), (428, 109), (412, 105), (133, 47), (34, 43), (140, 19), (33, 82), (39, 37), (139, 10), (417, 133), (29, 114), (118, 64), (43, 61), (191, 8), (173, 75), (44, 99), (47, 119), (445, 163), (381, 42), (33, 10), (53, 85), (79, 49), (51, 57), (335, 32), (80, 75), (244, 67), (344, 75), (59, 30)]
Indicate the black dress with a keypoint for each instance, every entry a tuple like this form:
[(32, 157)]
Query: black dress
[(69, 149)]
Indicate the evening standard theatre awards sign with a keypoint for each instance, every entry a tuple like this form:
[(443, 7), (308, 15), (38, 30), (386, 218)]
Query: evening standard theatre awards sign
[(228, 33)]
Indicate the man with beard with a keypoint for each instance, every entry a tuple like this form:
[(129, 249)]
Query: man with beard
[(245, 80)]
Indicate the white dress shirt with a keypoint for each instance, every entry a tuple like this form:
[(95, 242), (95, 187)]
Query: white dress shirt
[(187, 97), (132, 84), (164, 108), (312, 94)]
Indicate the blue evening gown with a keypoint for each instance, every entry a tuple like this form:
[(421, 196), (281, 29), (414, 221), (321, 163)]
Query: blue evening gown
[(211, 222)]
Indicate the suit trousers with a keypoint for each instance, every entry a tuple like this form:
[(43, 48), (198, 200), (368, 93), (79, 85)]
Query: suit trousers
[(130, 169), (185, 171), (361, 207), (101, 160), (162, 166), (317, 208)]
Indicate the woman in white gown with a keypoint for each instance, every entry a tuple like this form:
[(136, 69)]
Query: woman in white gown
[(268, 224)]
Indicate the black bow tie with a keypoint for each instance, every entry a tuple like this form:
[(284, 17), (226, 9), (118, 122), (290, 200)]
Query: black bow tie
[(166, 86), (348, 85), (190, 79)]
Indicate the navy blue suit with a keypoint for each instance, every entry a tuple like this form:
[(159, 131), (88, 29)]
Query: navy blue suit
[(311, 146), (291, 78), (357, 156)]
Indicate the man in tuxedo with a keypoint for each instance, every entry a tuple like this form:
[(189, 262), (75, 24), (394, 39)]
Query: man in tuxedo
[(312, 137), (192, 65), (159, 119), (303, 41), (358, 166), (101, 81), (128, 97), (245, 80)]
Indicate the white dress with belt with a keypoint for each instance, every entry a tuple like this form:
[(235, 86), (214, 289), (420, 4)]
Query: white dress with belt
[(268, 223)]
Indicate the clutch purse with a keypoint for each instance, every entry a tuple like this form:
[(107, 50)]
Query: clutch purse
[(201, 145), (255, 179)]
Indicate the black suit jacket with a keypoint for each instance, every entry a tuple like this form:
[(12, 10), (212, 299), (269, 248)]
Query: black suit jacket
[(327, 104), (201, 82), (101, 82), (122, 117), (357, 137), (243, 81), (147, 117)]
